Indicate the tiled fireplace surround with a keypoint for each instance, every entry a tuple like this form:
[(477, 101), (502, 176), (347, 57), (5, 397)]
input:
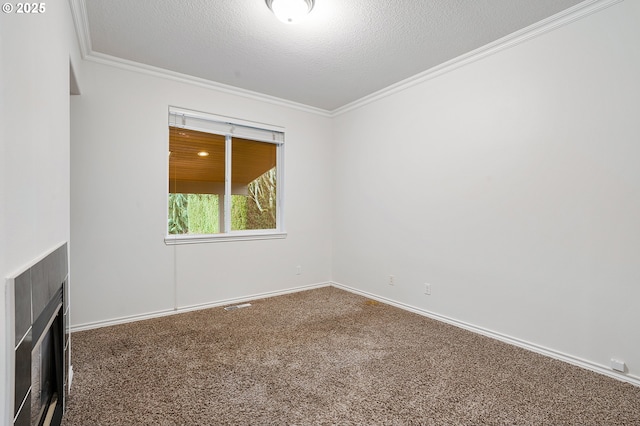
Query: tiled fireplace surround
[(37, 295)]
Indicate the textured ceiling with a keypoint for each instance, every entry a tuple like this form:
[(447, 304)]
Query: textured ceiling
[(345, 50)]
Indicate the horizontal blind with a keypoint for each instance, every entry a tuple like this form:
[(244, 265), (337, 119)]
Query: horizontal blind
[(202, 122)]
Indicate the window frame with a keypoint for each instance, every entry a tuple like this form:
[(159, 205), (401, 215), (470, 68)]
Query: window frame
[(229, 128)]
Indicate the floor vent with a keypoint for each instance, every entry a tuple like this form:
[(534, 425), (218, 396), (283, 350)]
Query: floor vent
[(233, 308)]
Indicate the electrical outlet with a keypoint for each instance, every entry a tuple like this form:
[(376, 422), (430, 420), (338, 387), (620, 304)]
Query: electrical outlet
[(298, 270), (391, 280), (427, 289), (617, 365)]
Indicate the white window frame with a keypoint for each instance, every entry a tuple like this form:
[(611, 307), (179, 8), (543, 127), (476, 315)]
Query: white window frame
[(230, 128)]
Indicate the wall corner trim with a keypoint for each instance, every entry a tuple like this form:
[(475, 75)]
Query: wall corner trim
[(81, 22)]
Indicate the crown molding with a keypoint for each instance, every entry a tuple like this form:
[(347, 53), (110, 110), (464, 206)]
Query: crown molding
[(579, 11), (558, 20), (150, 70), (81, 22)]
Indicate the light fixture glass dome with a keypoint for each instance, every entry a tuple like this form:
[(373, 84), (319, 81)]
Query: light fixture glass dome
[(290, 11)]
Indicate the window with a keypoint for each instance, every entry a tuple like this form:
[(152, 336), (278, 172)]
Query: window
[(225, 179)]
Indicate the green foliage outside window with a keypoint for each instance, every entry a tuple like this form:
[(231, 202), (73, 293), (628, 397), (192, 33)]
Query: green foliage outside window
[(199, 213), (238, 212), (261, 207), (178, 219), (193, 214), (203, 214)]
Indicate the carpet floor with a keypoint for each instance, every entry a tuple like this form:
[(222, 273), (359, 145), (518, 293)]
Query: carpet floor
[(326, 356)]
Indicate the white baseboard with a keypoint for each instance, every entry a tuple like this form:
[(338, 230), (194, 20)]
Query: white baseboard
[(589, 365), (190, 308)]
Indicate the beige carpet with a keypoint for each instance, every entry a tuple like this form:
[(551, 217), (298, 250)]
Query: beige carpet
[(326, 356)]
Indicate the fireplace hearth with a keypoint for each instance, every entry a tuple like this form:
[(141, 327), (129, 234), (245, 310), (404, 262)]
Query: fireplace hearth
[(38, 305)]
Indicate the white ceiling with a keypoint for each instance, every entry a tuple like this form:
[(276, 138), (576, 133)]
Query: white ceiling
[(344, 51)]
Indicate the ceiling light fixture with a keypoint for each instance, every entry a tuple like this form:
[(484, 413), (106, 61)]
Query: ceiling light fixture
[(290, 11), (203, 153)]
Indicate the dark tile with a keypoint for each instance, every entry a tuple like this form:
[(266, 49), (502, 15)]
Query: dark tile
[(63, 259), (24, 419), (23, 371), (39, 289), (22, 286), (53, 272)]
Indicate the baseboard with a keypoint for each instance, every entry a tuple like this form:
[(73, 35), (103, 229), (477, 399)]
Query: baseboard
[(244, 299), (190, 308), (121, 320), (597, 368)]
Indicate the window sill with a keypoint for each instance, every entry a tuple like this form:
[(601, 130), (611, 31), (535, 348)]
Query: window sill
[(172, 240)]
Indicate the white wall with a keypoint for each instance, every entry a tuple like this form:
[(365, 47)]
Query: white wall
[(122, 267), (34, 146), (512, 185)]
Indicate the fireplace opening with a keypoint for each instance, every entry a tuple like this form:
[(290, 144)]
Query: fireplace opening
[(46, 373), (39, 358)]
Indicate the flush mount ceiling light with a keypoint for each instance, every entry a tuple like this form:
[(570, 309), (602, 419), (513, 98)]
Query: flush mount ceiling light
[(203, 154), (290, 11)]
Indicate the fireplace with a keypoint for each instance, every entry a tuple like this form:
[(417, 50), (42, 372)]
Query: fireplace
[(38, 305), (47, 368)]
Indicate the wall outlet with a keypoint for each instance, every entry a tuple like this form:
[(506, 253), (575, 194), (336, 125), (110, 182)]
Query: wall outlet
[(617, 365), (427, 289), (391, 280), (298, 270)]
